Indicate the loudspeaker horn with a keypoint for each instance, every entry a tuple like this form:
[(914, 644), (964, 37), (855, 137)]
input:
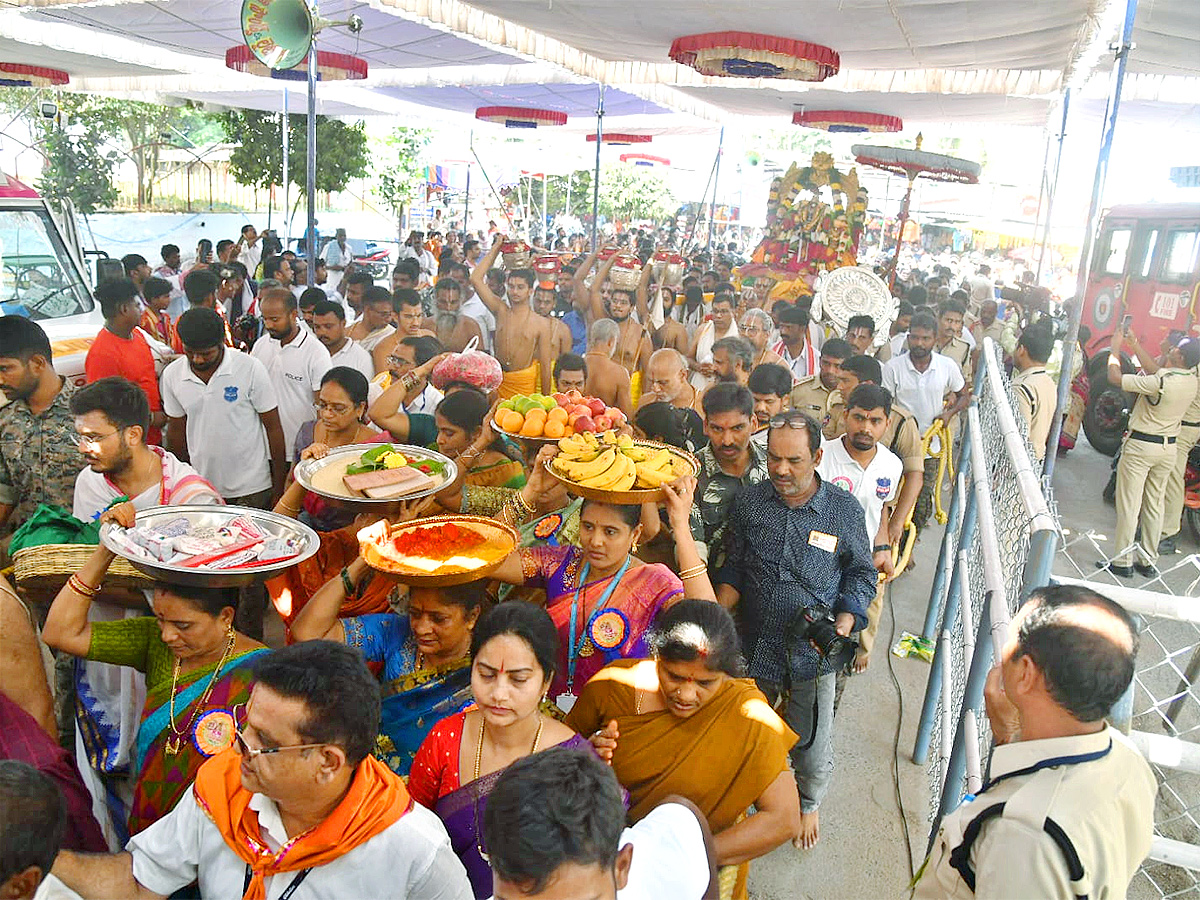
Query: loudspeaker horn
[(278, 32)]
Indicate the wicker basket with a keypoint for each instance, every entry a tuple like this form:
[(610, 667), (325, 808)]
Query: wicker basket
[(50, 565)]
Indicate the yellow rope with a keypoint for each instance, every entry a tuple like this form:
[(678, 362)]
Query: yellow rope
[(941, 433)]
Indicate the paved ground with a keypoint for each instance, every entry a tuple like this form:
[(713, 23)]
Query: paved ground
[(862, 852)]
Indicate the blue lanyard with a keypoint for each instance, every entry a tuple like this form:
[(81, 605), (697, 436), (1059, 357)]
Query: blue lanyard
[(571, 646)]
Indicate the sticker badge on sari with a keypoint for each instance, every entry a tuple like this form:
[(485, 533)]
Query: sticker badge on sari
[(547, 527), (608, 630), (231, 394), (214, 732)]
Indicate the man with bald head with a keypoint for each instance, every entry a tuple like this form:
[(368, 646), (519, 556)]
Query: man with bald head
[(1068, 809), (667, 381), (607, 379)]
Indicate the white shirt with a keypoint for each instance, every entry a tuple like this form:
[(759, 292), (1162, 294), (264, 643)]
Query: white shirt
[(423, 257), (872, 487), (426, 401), (922, 393), (226, 439), (353, 355), (668, 856), (372, 340), (477, 310), (334, 255), (250, 256), (412, 858), (296, 370), (53, 889)]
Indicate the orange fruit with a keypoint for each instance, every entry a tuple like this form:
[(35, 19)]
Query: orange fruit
[(512, 422), (558, 414), (532, 427), (554, 428)]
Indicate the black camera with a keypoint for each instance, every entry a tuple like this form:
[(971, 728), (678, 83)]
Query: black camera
[(817, 626)]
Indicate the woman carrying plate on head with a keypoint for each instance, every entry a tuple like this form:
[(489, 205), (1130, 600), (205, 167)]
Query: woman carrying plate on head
[(601, 598), (341, 408), (460, 417), (196, 668), (425, 655)]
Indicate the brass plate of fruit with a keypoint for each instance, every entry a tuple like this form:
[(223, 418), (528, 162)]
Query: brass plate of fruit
[(618, 469), (540, 418)]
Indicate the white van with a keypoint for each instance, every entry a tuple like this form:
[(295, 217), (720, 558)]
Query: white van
[(42, 276)]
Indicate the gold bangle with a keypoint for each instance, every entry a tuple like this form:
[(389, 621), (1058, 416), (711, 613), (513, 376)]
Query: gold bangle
[(79, 586), (693, 572), (291, 509)]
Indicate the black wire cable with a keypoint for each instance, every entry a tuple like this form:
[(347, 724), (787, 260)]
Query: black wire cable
[(899, 724)]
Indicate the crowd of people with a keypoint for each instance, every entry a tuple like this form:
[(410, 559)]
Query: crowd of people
[(339, 733)]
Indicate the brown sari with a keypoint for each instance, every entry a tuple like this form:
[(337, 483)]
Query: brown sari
[(721, 758)]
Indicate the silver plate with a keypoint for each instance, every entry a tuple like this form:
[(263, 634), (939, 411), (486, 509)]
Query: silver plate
[(272, 524), (305, 470), (855, 291)]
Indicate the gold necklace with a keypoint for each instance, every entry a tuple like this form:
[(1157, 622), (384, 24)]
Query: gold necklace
[(537, 739), (175, 741)]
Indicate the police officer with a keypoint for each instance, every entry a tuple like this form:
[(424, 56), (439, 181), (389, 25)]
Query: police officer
[(949, 341), (1035, 390), (1148, 453), (814, 395), (1068, 810), (1189, 434)]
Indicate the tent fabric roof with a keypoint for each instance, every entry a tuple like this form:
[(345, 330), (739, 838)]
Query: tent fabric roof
[(924, 60)]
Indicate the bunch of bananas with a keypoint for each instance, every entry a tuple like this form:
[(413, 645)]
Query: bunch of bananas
[(612, 462)]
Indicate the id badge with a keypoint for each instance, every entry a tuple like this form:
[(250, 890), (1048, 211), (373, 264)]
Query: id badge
[(565, 701)]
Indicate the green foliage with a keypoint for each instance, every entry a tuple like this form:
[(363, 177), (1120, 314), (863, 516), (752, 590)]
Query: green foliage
[(80, 169), (404, 176), (257, 161), (634, 192)]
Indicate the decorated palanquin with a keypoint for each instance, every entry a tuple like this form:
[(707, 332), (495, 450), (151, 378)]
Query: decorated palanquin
[(815, 219)]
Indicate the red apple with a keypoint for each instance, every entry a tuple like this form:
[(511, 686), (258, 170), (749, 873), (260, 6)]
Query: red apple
[(560, 399), (615, 415), (597, 406), (603, 423), (579, 409), (584, 423), (574, 396)]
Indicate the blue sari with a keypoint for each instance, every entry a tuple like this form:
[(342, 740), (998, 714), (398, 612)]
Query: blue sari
[(414, 700)]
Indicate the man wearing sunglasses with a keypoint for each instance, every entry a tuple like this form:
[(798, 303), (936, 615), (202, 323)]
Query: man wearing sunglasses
[(796, 548), (299, 800)]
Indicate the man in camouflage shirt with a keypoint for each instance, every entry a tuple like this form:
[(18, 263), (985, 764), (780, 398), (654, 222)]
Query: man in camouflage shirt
[(39, 454), (728, 463)]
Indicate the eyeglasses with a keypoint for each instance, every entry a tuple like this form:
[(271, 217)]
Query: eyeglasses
[(397, 361), (791, 419), (750, 329), (239, 740), (92, 441), (338, 409)]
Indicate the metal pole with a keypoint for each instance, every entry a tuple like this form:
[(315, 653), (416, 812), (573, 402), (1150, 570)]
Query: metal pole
[(287, 151), (467, 207), (1037, 216), (567, 210), (310, 239), (1062, 134), (596, 174), (545, 213), (1089, 237), (712, 209)]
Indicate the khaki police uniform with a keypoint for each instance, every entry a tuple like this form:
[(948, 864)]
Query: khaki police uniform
[(959, 351), (1148, 456), (994, 331), (1189, 434), (812, 397), (1059, 817), (1037, 397)]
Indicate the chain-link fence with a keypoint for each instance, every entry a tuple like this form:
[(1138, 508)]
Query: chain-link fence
[(1162, 711), (999, 542)]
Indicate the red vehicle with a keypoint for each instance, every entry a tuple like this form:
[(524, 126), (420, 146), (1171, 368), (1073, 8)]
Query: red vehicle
[(1146, 268)]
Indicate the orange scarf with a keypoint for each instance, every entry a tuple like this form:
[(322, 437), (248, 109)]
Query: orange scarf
[(377, 799)]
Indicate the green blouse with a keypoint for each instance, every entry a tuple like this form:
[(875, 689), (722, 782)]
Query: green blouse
[(136, 643)]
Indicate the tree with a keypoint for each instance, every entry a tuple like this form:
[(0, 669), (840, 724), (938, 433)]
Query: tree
[(257, 160), (402, 180), (634, 192), (78, 167)]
